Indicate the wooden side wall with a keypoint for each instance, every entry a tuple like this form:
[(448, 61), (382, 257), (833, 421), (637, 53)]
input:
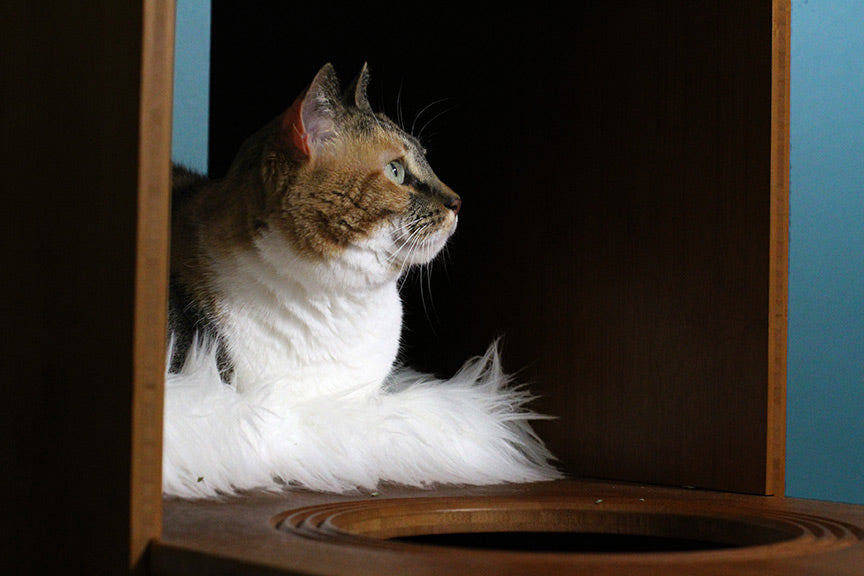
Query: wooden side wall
[(84, 242)]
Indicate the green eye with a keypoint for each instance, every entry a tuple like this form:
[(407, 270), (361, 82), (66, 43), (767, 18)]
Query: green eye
[(395, 171)]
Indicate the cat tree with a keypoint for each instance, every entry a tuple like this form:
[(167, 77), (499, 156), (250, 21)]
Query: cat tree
[(625, 225)]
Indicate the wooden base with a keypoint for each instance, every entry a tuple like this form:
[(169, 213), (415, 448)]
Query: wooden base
[(560, 527)]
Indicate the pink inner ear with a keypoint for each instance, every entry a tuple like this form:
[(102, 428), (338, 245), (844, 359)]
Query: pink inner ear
[(293, 129)]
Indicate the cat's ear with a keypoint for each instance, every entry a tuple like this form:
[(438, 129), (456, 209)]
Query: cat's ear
[(355, 94), (311, 119)]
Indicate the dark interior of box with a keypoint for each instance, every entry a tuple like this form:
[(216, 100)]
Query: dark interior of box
[(613, 162)]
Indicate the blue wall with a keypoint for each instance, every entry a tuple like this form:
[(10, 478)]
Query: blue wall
[(191, 84), (825, 426), (825, 429)]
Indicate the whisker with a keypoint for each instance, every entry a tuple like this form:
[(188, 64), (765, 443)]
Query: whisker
[(435, 117), (428, 307), (408, 239), (423, 111), (399, 118)]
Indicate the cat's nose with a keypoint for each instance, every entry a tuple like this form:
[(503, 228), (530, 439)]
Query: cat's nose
[(454, 203), (448, 197)]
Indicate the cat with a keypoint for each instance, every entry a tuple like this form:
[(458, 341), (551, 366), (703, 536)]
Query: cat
[(285, 319)]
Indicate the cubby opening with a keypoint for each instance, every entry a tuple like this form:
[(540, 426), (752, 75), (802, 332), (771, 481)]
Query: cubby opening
[(615, 165)]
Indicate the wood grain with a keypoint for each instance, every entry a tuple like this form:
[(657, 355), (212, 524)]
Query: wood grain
[(778, 290), (151, 275)]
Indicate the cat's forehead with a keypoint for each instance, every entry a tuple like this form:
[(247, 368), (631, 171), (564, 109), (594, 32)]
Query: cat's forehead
[(381, 128), (410, 140)]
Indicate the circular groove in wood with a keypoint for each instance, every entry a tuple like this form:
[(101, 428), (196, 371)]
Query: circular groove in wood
[(745, 533)]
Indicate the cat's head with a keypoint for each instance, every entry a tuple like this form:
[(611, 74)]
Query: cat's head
[(338, 177)]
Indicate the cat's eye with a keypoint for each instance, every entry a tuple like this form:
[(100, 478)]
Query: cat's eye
[(395, 170)]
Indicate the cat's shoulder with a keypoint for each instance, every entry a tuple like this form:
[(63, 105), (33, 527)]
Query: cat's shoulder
[(185, 182)]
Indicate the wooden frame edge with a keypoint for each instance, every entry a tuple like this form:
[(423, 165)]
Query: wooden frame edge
[(778, 250), (151, 275)]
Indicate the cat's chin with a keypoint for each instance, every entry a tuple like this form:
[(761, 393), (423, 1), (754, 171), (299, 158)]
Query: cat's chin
[(422, 251)]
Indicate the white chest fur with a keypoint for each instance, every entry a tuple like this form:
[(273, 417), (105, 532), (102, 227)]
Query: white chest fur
[(304, 327)]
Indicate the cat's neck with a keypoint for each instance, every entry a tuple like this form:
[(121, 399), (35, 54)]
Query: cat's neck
[(301, 326)]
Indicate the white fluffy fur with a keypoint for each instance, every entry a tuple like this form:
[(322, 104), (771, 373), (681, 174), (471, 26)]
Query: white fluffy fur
[(315, 400), (414, 430)]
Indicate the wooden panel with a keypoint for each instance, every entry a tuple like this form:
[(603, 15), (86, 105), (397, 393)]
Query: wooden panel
[(81, 287), (620, 172), (639, 299)]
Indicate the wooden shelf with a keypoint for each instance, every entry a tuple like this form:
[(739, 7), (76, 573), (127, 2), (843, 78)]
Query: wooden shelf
[(327, 534)]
